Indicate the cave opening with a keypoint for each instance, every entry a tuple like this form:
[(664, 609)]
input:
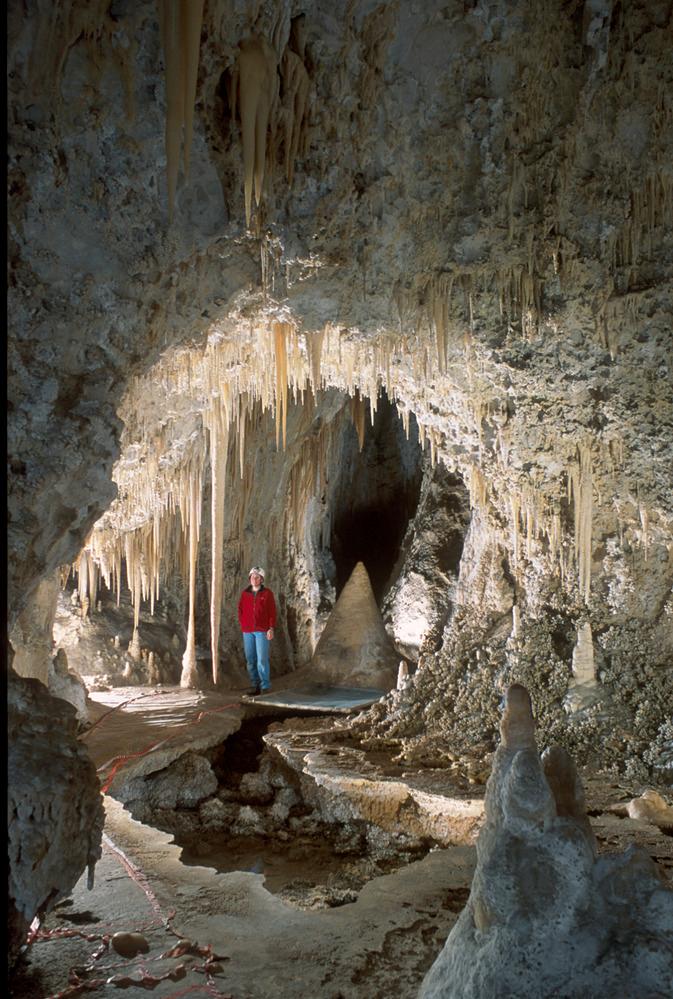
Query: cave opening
[(376, 497)]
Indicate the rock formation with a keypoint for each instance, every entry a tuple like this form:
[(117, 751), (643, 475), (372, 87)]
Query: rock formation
[(31, 638), (446, 222), (546, 916), (651, 807), (55, 809), (68, 685), (354, 648)]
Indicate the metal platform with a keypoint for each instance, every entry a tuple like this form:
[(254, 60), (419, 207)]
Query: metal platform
[(330, 700)]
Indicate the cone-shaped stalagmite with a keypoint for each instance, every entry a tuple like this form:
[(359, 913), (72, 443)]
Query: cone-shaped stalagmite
[(354, 649)]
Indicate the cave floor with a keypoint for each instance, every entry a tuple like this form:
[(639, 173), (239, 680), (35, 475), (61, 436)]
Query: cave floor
[(223, 934), (243, 941)]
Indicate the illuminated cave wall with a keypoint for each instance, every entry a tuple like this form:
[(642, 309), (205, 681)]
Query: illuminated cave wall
[(306, 512), (468, 205)]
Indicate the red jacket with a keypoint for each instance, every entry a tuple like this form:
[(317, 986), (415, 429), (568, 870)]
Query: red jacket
[(256, 611)]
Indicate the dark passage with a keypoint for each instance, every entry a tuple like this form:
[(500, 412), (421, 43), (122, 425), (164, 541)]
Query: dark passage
[(377, 496)]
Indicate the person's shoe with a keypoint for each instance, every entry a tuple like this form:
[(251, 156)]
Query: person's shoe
[(252, 691), (266, 690)]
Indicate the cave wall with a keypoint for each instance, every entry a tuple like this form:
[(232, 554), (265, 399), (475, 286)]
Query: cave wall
[(54, 809), (544, 235), (31, 637), (481, 214), (286, 509)]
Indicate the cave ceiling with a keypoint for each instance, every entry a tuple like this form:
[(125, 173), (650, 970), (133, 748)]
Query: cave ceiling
[(467, 205)]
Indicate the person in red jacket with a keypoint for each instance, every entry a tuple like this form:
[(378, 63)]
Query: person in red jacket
[(257, 618)]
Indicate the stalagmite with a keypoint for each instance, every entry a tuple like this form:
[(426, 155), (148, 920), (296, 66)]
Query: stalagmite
[(516, 622), (584, 691), (583, 656), (134, 645), (517, 726), (354, 647)]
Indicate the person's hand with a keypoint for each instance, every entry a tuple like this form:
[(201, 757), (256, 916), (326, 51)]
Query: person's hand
[(269, 634)]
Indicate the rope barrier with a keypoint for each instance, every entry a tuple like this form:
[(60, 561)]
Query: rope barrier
[(79, 984), (117, 762), (136, 874), (122, 704)]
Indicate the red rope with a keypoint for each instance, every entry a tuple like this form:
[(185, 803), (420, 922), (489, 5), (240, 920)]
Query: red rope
[(118, 761), (78, 984), (122, 704), (138, 876)]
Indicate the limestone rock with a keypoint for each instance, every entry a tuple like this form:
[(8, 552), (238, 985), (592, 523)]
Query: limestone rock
[(286, 798), (216, 814), (32, 635), (55, 809), (129, 944), (420, 598), (255, 789), (249, 822), (355, 649), (545, 916), (185, 783), (651, 807), (68, 685)]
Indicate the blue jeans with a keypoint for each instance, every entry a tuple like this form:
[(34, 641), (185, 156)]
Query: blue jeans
[(256, 646)]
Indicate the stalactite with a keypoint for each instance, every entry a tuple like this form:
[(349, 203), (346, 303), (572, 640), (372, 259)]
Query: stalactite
[(296, 86), (478, 487), (233, 372), (174, 61), (219, 445), (581, 491), (189, 676), (314, 343), (180, 22), (192, 17), (358, 417), (281, 334), (256, 77)]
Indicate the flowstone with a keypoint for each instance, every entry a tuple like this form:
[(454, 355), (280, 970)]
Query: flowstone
[(546, 916)]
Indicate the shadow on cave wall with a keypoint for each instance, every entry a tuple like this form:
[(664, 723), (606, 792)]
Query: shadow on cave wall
[(375, 497)]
